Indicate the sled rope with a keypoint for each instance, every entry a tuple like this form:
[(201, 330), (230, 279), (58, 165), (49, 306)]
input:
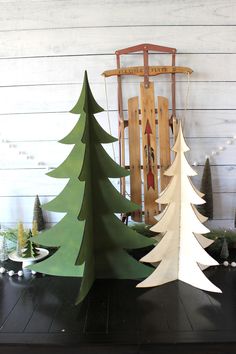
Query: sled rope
[(186, 103), (108, 117)]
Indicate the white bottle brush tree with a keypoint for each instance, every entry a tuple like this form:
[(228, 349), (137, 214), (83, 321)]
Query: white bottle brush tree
[(181, 250)]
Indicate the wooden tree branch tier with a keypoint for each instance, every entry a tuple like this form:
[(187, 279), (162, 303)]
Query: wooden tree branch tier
[(146, 167)]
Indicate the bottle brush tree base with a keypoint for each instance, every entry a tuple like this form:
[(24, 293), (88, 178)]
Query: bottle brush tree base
[(29, 260)]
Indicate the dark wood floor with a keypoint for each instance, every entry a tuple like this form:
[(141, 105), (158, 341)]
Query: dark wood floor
[(38, 314)]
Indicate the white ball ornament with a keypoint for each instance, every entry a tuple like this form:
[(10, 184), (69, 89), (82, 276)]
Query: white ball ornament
[(2, 270), (41, 163), (233, 264), (226, 263), (11, 273), (20, 273)]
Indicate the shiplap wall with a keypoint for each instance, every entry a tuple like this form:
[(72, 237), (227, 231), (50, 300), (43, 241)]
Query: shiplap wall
[(45, 46)]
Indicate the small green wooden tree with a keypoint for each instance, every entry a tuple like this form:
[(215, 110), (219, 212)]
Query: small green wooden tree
[(38, 214), (30, 250), (224, 254), (206, 188), (92, 241)]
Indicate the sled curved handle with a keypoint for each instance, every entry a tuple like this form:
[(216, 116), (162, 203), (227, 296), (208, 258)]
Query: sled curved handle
[(152, 70)]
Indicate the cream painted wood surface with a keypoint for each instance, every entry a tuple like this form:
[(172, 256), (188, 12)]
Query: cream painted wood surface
[(211, 124), (101, 40), (67, 13), (46, 45), (60, 98), (69, 69)]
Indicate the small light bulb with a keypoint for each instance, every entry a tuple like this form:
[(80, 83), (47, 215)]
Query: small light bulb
[(221, 148), (195, 163), (213, 153)]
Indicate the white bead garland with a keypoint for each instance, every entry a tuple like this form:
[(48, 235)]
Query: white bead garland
[(28, 156), (217, 150), (2, 270), (11, 273)]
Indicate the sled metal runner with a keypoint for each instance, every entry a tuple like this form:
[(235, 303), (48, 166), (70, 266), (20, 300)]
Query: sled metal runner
[(147, 160)]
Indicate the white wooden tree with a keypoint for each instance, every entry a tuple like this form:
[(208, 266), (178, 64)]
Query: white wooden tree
[(181, 250)]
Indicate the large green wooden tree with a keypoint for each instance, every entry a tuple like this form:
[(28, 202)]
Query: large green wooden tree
[(91, 239)]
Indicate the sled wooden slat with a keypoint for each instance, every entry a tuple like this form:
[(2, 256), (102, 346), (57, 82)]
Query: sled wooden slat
[(134, 156), (149, 152), (122, 152), (164, 140)]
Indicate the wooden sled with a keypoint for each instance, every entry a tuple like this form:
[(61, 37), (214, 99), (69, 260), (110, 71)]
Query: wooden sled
[(148, 160)]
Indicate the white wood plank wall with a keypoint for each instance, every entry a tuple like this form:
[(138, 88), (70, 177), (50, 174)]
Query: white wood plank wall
[(45, 46)]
